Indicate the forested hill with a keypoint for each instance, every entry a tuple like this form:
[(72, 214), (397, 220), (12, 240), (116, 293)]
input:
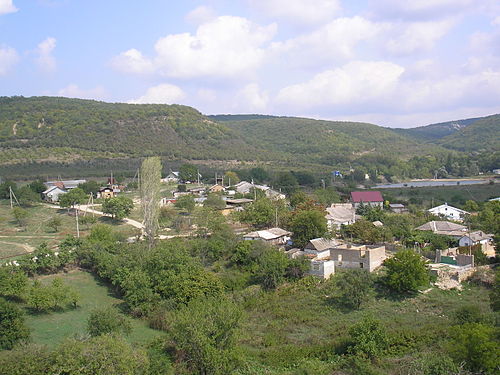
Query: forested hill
[(473, 134), (84, 126)]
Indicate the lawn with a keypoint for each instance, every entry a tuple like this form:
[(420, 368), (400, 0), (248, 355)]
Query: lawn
[(52, 328), (17, 240)]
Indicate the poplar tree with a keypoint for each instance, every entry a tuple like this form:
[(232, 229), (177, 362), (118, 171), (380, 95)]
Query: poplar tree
[(150, 196)]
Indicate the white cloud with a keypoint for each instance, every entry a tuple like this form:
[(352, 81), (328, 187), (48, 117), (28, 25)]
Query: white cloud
[(162, 94), (200, 15), (337, 39), (419, 9), (207, 95), (417, 36), (6, 6), (298, 11), (252, 98), (74, 91), (352, 84), (132, 61), (45, 60), (224, 47), (8, 58)]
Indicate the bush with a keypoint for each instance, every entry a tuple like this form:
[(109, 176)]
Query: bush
[(369, 338), (55, 296), (272, 268), (12, 327), (351, 288), (12, 283), (106, 321), (406, 272)]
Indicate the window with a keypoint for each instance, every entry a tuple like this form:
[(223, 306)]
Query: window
[(361, 265), (316, 267), (339, 257)]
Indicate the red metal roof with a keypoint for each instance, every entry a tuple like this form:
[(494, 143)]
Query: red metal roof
[(366, 196)]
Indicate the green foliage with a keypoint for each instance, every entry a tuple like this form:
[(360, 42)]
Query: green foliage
[(364, 231), (13, 282), (205, 332), (298, 198), (287, 182), (495, 292), (185, 202), (72, 198), (56, 296), (327, 196), (406, 272), (351, 288), (272, 269), (188, 172), (4, 189), (118, 207), (368, 338), (307, 225), (27, 197), (104, 321), (20, 215), (231, 178), (262, 213), (12, 327), (90, 187), (214, 201), (476, 345), (55, 223), (468, 314)]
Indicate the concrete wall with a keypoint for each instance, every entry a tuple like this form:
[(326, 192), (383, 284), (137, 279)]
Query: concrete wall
[(322, 268), (358, 257)]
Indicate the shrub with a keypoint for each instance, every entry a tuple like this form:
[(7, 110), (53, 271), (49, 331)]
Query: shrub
[(12, 327), (369, 338), (406, 272), (106, 321)]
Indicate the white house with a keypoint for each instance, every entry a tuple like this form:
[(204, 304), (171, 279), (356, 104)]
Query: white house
[(340, 214), (496, 171), (275, 236), (53, 193), (171, 177), (479, 238), (446, 228), (449, 212)]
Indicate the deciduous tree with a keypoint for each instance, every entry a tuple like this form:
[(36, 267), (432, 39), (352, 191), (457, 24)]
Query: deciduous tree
[(150, 196)]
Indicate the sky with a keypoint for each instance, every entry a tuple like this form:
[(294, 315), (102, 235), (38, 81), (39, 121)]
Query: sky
[(390, 62)]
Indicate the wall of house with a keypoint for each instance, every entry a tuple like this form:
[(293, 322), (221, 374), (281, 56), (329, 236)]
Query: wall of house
[(322, 269), (372, 204), (319, 254), (364, 258)]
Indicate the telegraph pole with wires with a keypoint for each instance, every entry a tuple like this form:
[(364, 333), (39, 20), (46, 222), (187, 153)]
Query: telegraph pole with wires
[(12, 197)]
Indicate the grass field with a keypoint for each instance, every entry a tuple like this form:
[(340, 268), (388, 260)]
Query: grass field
[(52, 328), (455, 195), (15, 239)]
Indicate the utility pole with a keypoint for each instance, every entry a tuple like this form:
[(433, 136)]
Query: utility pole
[(11, 196), (276, 212), (77, 224)]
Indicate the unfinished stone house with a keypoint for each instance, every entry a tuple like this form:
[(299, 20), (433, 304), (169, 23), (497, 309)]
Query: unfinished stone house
[(358, 256)]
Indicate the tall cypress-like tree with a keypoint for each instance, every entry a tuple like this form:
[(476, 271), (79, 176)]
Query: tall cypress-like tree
[(150, 196)]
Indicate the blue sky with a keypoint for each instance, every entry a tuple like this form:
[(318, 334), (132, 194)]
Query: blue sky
[(389, 62)]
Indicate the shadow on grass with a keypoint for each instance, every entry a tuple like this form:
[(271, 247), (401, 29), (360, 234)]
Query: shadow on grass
[(110, 221)]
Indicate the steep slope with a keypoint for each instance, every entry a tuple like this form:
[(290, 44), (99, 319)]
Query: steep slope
[(481, 135), (437, 131), (114, 130)]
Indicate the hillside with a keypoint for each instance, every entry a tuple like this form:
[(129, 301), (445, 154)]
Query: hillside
[(323, 142), (437, 131), (481, 135)]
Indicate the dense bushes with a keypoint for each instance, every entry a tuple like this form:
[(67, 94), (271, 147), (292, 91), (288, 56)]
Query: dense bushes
[(12, 327)]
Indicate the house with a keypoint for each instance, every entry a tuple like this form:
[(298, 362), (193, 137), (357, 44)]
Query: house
[(197, 191), (216, 189), (398, 208), (479, 238), (53, 193), (371, 198), (446, 228), (318, 252), (322, 268), (320, 247), (358, 256), (449, 212), (274, 236), (245, 187), (167, 201), (235, 205), (65, 184), (172, 177), (496, 171), (273, 194), (106, 192), (339, 214)]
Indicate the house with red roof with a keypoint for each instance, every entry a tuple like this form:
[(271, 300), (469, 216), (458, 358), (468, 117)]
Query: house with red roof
[(372, 198)]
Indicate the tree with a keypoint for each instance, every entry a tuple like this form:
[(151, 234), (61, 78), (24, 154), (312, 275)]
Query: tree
[(287, 182), (260, 213), (12, 327), (495, 292), (272, 268), (72, 198), (90, 187), (476, 345), (185, 202), (352, 288), (118, 207), (307, 225), (150, 196), (471, 206), (259, 174), (368, 338), (55, 222), (231, 178), (327, 196), (26, 196), (20, 215), (204, 333), (364, 231), (214, 201), (37, 186), (12, 282), (105, 321), (188, 172), (406, 272), (5, 189), (298, 198)]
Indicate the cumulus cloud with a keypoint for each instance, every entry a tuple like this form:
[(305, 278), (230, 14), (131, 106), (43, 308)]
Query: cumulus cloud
[(352, 84), (45, 60), (8, 58), (162, 94), (200, 15), (74, 91), (6, 6), (298, 11), (417, 36), (252, 98), (132, 61), (224, 47)]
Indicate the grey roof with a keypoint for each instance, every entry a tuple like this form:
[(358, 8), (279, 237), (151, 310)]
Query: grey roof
[(341, 212), (478, 236), (441, 226), (268, 234), (320, 244), (396, 205)]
